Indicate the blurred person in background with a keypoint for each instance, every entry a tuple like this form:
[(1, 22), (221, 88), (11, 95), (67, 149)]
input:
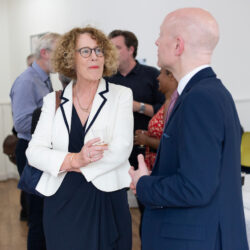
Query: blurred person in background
[(141, 79), (151, 137), (30, 59), (26, 95)]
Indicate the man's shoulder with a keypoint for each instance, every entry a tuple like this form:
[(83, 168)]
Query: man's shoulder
[(24, 80), (148, 69), (27, 75), (111, 78)]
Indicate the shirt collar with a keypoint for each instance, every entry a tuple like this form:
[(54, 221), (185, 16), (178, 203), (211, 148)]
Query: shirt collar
[(44, 76), (133, 70), (136, 67), (185, 79)]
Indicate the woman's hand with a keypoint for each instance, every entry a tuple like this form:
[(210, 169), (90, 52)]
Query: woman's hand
[(140, 137), (90, 152)]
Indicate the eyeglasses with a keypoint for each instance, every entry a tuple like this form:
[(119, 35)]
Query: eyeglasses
[(86, 51)]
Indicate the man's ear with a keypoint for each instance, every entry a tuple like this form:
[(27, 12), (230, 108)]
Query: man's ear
[(43, 53), (131, 50), (179, 47)]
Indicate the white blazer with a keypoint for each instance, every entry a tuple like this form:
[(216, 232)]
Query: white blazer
[(111, 109)]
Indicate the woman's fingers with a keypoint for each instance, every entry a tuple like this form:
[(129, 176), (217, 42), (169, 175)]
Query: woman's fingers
[(95, 153), (96, 158), (99, 147), (92, 152), (138, 131), (138, 139), (92, 141)]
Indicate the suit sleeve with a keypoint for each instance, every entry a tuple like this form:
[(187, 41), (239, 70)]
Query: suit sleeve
[(199, 145)]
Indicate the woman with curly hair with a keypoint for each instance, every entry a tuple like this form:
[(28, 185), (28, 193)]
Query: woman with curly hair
[(83, 149)]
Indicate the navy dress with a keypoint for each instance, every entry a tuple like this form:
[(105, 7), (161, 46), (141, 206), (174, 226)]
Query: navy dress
[(81, 217)]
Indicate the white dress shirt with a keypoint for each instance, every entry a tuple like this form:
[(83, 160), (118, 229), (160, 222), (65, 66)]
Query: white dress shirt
[(185, 79)]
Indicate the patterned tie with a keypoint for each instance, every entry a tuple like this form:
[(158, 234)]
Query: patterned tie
[(49, 84), (173, 99)]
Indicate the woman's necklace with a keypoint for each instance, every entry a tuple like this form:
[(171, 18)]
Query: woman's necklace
[(86, 110)]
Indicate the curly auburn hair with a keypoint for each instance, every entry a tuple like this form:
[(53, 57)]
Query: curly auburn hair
[(64, 55)]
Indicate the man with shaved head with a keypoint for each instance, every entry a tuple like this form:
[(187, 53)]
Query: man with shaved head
[(193, 197)]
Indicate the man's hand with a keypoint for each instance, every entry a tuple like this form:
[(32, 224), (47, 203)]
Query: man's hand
[(137, 174)]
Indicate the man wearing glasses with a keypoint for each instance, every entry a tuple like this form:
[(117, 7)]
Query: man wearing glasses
[(26, 95)]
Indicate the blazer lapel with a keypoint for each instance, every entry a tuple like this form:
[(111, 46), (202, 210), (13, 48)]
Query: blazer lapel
[(66, 105), (98, 103)]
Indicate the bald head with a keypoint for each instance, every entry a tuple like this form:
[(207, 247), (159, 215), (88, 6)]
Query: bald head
[(187, 40), (196, 26)]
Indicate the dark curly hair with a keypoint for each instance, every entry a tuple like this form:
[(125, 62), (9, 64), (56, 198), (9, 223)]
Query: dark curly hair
[(64, 55)]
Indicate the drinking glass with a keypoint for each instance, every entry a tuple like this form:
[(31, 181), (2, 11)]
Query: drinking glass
[(102, 133)]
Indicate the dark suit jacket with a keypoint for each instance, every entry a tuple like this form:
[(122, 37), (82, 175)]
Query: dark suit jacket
[(193, 198)]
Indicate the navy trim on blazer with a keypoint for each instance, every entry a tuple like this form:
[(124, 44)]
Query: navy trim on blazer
[(101, 106), (62, 109), (96, 114)]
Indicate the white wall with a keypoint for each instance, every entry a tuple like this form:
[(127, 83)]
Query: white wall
[(4, 48), (22, 18)]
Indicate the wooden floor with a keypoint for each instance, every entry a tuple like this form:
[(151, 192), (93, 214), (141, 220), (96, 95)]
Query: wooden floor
[(13, 232)]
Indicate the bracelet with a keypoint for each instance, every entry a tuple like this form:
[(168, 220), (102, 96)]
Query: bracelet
[(142, 108)]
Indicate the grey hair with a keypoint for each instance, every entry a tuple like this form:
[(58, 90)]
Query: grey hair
[(45, 42), (64, 79)]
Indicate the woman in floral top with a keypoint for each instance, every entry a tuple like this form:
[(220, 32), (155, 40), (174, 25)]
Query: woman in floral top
[(151, 137)]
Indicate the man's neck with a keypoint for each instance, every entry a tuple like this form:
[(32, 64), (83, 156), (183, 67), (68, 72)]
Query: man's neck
[(42, 65), (127, 67), (182, 71), (189, 63)]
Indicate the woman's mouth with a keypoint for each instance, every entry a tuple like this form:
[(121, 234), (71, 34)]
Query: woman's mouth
[(94, 67)]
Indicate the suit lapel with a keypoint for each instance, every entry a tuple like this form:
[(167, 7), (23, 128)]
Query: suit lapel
[(198, 77), (203, 74)]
